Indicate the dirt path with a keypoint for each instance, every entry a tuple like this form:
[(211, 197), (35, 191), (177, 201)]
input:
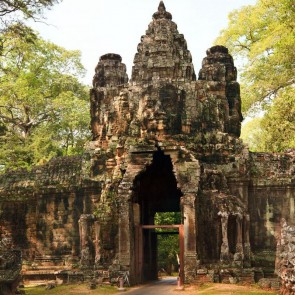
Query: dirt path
[(226, 289), (165, 286), (168, 285)]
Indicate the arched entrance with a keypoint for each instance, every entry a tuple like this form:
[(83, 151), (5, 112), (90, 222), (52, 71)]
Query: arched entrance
[(155, 190), (156, 180)]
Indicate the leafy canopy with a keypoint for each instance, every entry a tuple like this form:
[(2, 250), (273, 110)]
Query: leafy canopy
[(24, 8), (43, 106), (14, 13), (262, 38), (275, 131)]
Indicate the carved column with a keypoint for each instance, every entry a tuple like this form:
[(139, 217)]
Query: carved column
[(124, 230), (187, 175), (224, 252), (190, 247), (97, 242), (126, 234), (247, 247), (239, 255), (83, 231), (86, 255)]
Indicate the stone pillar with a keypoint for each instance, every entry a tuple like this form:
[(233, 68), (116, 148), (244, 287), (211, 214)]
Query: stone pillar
[(124, 230), (190, 241), (247, 247), (83, 231), (187, 174), (224, 252), (126, 222), (97, 242), (86, 255), (239, 255)]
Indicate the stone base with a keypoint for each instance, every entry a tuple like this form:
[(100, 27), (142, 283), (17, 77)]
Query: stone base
[(41, 277), (270, 283), (226, 275)]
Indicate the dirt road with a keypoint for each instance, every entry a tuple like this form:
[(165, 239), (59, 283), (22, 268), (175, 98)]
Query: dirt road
[(165, 286), (168, 286)]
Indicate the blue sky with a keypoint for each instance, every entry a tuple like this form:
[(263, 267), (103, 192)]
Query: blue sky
[(96, 27)]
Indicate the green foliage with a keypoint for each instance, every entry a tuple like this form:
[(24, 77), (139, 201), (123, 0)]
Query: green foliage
[(168, 245), (24, 8), (275, 131), (252, 134), (279, 123), (43, 106), (167, 218), (262, 38), (13, 14)]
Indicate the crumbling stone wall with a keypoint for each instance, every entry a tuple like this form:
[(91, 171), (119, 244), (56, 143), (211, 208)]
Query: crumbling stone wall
[(285, 263), (271, 198), (10, 267), (40, 209)]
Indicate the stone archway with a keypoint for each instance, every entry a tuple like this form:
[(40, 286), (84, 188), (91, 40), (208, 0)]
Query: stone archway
[(185, 170), (154, 191)]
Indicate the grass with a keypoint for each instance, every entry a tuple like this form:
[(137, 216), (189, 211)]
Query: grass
[(205, 289), (229, 289), (71, 290)]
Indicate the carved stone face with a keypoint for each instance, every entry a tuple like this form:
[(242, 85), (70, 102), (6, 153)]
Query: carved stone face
[(123, 96), (6, 243), (148, 102)]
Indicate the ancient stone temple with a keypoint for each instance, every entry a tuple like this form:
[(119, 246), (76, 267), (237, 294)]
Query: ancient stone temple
[(167, 140)]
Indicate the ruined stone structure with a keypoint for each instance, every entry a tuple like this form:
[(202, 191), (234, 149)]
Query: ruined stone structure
[(10, 267), (163, 142), (285, 263)]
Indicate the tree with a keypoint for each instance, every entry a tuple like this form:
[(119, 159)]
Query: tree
[(252, 133), (262, 38), (279, 123), (24, 8), (168, 245), (275, 131), (43, 106), (13, 13)]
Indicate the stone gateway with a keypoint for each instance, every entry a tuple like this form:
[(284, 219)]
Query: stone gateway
[(167, 140)]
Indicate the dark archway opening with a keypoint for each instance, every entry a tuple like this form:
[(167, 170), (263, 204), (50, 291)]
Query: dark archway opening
[(155, 190)]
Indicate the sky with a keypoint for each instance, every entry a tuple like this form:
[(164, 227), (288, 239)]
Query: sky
[(96, 27)]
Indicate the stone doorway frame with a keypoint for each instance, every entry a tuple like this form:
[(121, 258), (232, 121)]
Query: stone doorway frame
[(187, 173)]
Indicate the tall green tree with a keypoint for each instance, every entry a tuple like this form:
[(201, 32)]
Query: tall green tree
[(43, 106), (262, 38)]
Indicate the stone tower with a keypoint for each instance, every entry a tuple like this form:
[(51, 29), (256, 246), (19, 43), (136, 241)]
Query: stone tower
[(172, 136)]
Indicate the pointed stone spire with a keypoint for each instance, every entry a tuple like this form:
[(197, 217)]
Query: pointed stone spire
[(161, 7), (162, 13), (162, 52)]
